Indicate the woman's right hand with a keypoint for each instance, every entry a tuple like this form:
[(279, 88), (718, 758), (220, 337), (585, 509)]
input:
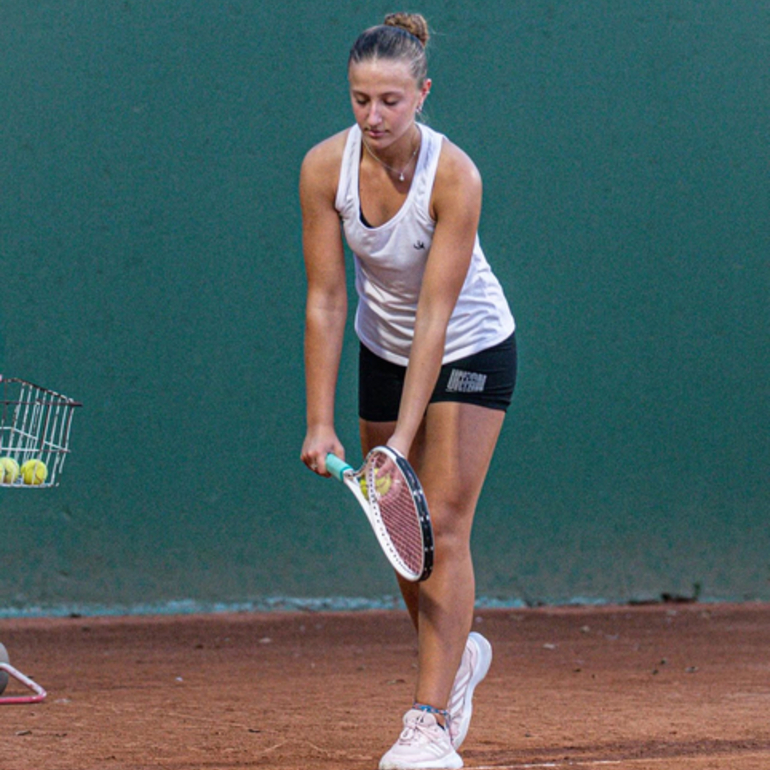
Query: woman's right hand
[(318, 443)]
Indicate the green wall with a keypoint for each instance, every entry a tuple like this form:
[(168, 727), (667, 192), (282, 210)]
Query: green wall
[(151, 268)]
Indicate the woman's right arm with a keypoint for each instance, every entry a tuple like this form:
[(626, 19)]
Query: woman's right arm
[(326, 305)]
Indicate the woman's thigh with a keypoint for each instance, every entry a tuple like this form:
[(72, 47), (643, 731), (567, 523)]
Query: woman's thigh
[(454, 456), (451, 456)]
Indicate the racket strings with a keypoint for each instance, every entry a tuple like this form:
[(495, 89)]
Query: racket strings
[(399, 512)]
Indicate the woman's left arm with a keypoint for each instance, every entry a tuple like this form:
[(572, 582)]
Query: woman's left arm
[(456, 208)]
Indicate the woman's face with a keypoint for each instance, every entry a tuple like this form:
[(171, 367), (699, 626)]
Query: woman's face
[(385, 98)]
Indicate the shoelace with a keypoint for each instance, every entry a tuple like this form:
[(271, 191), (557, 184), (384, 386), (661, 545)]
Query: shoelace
[(433, 710)]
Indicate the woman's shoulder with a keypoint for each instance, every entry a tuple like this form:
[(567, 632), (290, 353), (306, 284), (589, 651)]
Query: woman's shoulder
[(326, 153), (455, 166), (320, 170)]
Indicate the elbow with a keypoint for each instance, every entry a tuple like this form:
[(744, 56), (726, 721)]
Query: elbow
[(327, 311)]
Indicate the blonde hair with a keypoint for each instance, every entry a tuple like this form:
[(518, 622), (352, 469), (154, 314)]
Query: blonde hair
[(402, 36), (414, 23)]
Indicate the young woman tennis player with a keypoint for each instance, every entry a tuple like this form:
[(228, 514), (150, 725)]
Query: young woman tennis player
[(437, 352)]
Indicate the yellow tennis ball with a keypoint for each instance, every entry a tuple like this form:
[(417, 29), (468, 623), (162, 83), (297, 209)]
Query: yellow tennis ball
[(381, 485), (9, 470), (34, 472)]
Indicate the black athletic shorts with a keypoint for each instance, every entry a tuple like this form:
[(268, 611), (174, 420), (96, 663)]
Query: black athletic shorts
[(486, 378)]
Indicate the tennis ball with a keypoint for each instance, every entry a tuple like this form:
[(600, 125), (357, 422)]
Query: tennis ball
[(9, 470), (381, 485), (34, 472), (3, 674)]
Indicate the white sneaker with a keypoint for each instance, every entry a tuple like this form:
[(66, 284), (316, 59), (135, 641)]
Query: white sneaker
[(474, 665), (422, 745)]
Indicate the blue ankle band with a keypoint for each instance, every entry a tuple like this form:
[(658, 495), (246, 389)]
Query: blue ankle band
[(431, 709)]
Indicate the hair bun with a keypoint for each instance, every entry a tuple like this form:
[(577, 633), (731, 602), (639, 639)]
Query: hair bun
[(413, 23)]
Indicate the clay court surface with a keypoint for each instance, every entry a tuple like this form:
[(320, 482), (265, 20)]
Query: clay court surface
[(663, 687)]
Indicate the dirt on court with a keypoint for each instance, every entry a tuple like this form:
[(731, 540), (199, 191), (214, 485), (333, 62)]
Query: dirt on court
[(661, 687)]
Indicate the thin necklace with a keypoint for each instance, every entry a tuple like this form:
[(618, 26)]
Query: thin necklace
[(390, 168)]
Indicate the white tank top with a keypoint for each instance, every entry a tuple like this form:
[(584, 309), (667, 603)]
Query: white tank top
[(390, 262)]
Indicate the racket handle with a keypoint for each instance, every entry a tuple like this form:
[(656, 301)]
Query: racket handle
[(336, 467)]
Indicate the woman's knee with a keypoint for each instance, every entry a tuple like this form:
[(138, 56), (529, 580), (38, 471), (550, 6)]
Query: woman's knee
[(451, 529)]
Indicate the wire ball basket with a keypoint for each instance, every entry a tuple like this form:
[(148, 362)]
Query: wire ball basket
[(35, 425)]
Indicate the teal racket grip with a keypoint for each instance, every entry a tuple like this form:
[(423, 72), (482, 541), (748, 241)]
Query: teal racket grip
[(337, 467)]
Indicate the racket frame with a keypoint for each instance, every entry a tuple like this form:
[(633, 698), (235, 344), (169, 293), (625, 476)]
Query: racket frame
[(351, 478)]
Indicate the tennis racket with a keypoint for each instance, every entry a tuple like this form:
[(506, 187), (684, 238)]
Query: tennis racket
[(388, 490)]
